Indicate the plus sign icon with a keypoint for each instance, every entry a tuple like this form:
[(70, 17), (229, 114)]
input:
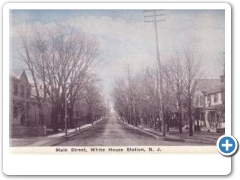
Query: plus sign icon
[(227, 145)]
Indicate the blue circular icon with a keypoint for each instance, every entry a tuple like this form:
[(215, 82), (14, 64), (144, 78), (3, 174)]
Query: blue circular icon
[(227, 145)]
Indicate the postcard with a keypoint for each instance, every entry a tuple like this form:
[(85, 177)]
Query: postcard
[(118, 88)]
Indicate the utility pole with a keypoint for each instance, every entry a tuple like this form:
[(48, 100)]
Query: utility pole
[(108, 107), (66, 113), (154, 15), (158, 102), (129, 93)]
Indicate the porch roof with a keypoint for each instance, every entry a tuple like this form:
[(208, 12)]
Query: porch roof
[(214, 107)]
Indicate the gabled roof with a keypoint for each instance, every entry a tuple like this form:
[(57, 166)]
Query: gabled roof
[(209, 85), (24, 77), (218, 88)]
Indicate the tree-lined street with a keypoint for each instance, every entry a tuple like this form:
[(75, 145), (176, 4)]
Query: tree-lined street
[(113, 132), (110, 132), (71, 77)]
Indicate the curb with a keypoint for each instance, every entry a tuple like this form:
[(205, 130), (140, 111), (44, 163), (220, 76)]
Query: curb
[(157, 136), (76, 133), (173, 139), (73, 134), (64, 138), (167, 138)]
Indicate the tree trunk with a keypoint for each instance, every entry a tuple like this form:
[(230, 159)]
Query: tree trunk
[(90, 118), (180, 115), (160, 123), (128, 115), (155, 121), (135, 117), (190, 122), (180, 122), (71, 117), (167, 118), (41, 115), (54, 118), (198, 128)]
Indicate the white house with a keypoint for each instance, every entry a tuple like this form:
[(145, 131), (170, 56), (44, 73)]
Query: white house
[(214, 107)]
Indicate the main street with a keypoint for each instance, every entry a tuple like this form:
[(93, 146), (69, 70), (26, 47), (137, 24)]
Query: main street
[(113, 132)]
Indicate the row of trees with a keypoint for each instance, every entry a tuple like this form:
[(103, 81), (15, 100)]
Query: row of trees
[(136, 98), (61, 59)]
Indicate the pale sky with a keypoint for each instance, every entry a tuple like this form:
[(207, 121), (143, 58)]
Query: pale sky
[(125, 39)]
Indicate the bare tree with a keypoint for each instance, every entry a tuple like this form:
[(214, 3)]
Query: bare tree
[(93, 100), (137, 101), (61, 58), (174, 75), (120, 99), (192, 72), (150, 95), (26, 54)]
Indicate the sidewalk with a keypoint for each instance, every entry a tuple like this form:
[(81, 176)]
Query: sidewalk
[(50, 140), (201, 137), (198, 138)]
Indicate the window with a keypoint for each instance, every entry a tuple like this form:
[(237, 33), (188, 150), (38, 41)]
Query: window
[(197, 101), (22, 120), (216, 98), (15, 112), (28, 92), (22, 90), (223, 97), (209, 100), (15, 89), (202, 116), (201, 101), (222, 77), (27, 110)]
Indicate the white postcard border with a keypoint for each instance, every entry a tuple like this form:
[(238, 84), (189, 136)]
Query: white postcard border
[(114, 164)]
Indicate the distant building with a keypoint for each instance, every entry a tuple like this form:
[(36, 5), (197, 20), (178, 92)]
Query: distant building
[(20, 92)]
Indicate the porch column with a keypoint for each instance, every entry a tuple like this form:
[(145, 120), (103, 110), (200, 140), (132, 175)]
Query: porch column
[(206, 119)]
